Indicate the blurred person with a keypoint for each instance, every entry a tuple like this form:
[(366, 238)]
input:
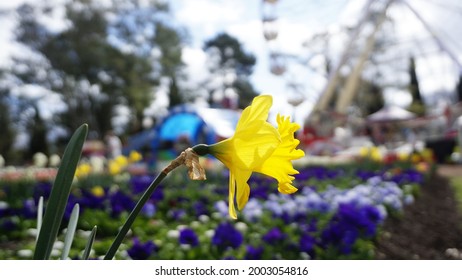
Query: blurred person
[(114, 145)]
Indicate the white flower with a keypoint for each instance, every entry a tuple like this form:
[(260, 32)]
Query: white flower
[(32, 232), (242, 227), (55, 160), (209, 233), (204, 218), (181, 227), (26, 253), (174, 234), (3, 205), (97, 163), (58, 245), (195, 224), (40, 159)]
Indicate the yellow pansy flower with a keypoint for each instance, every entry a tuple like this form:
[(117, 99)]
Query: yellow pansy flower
[(122, 161), (376, 154), (415, 158), (427, 155), (83, 170), (114, 167), (403, 156), (134, 156), (257, 146), (97, 191), (372, 153), (364, 151)]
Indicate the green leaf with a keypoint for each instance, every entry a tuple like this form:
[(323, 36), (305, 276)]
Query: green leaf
[(59, 194), (91, 239), (70, 231), (39, 216)]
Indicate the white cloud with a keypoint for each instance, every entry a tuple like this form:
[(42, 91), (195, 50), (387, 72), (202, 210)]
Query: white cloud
[(205, 18), (195, 59)]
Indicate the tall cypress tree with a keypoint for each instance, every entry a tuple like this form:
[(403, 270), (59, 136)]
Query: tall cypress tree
[(417, 105), (8, 133), (459, 89)]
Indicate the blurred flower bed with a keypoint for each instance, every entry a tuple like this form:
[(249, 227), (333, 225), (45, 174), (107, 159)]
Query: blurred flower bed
[(337, 212)]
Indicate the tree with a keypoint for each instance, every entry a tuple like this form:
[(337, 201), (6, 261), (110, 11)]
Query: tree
[(104, 58), (175, 97), (169, 42), (417, 105), (370, 97), (38, 136), (8, 133), (230, 67), (459, 89)]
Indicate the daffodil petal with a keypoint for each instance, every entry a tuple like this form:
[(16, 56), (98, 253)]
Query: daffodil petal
[(232, 187), (243, 189), (286, 188), (258, 110)]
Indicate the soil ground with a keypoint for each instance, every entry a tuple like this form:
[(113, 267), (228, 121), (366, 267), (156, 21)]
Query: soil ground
[(431, 228)]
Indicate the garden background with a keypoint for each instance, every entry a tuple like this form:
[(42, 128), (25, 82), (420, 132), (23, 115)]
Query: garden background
[(374, 85)]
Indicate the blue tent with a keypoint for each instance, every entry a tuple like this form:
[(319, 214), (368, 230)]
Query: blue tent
[(196, 124)]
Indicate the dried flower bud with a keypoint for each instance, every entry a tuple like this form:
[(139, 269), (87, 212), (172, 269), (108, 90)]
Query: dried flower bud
[(195, 170)]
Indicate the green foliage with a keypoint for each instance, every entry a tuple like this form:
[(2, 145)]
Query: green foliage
[(232, 54), (98, 62), (38, 141), (59, 195), (370, 98), (175, 97), (232, 58)]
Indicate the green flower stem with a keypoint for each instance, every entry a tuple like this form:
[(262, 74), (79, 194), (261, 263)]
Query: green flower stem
[(131, 218), (201, 149)]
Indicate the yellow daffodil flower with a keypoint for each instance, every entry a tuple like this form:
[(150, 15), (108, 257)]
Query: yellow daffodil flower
[(257, 146), (372, 153)]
